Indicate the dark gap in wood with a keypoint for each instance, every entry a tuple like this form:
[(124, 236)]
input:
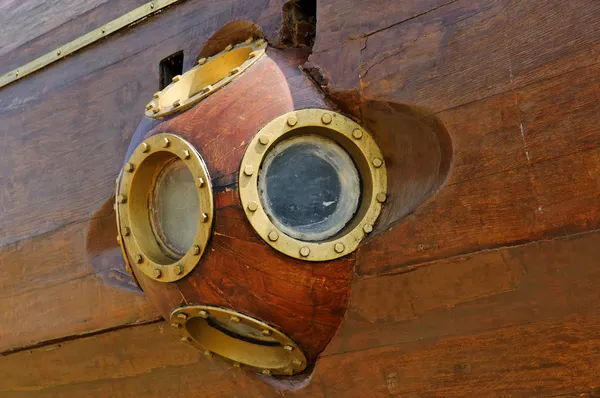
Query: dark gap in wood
[(169, 68)]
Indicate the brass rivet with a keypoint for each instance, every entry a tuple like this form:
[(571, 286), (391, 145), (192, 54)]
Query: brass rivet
[(58, 52), (208, 354), (368, 228), (234, 319), (122, 198), (381, 197), (145, 147), (199, 182), (237, 365), (206, 89), (203, 314), (292, 120), (125, 231), (176, 103), (182, 315), (266, 332), (249, 40), (195, 250), (156, 94), (138, 258), (156, 110), (234, 71), (249, 170), (176, 78), (288, 348), (176, 325), (204, 217), (357, 134), (252, 206), (266, 372), (326, 118), (179, 269), (166, 142), (273, 236), (339, 247), (149, 106), (186, 154), (377, 162), (103, 30), (304, 251), (229, 47), (186, 339), (251, 55), (201, 61), (157, 273), (128, 167), (263, 139), (260, 42), (297, 362), (289, 371)]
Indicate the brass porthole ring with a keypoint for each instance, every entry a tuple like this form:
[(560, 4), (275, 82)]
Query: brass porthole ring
[(308, 127), (208, 76), (139, 213), (241, 339)]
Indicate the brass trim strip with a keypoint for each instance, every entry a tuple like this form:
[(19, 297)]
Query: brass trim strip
[(103, 31)]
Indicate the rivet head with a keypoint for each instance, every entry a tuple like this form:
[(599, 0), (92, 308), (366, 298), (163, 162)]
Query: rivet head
[(377, 162), (17, 73), (125, 231), (381, 197), (186, 154), (249, 40), (103, 30), (152, 6), (357, 134), (206, 89), (176, 103), (273, 236), (237, 365), (229, 47), (203, 314), (186, 339), (156, 110), (182, 315), (200, 182), (288, 348), (139, 259), (128, 167), (304, 251), (157, 273), (326, 118), (368, 228), (145, 147), (149, 106), (260, 42), (251, 55), (118, 238), (249, 170), (234, 319), (204, 217), (252, 206), (178, 269), (201, 61), (263, 139), (266, 332), (234, 71), (339, 247), (58, 52), (208, 354), (195, 250), (292, 120), (288, 371), (176, 325), (266, 372), (175, 79), (166, 142), (297, 362), (156, 94), (122, 198)]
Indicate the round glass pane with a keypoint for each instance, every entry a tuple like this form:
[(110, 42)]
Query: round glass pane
[(176, 209), (309, 187)]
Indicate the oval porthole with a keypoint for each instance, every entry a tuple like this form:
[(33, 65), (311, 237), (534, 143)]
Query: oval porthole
[(312, 183)]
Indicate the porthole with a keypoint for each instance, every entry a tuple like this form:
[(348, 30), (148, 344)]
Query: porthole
[(164, 207), (312, 183)]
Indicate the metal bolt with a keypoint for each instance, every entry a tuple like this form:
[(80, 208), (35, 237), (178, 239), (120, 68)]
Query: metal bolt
[(292, 120), (149, 106), (326, 118), (58, 52), (186, 339), (260, 42), (263, 139), (252, 206), (125, 231), (273, 236), (339, 247), (166, 142), (199, 182), (234, 319), (288, 348), (157, 273), (176, 78), (266, 372), (201, 61), (182, 315), (204, 217), (304, 251), (289, 371), (368, 228), (381, 197), (249, 40), (195, 250), (118, 238), (156, 94), (122, 198), (357, 134), (128, 167), (234, 71), (103, 30), (17, 73), (266, 332), (203, 314), (152, 6), (176, 325), (377, 162), (186, 154), (297, 362), (206, 89), (145, 147), (251, 55), (229, 47), (249, 170), (156, 110), (139, 259), (176, 103), (179, 269), (208, 354), (237, 365)]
